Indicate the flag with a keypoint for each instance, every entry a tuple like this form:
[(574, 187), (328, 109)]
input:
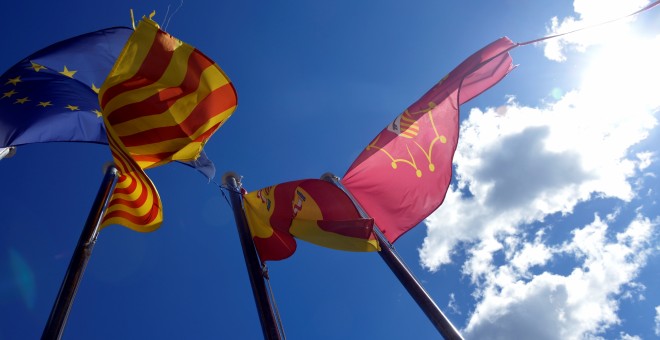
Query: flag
[(161, 102), (312, 210), (52, 95), (402, 176)]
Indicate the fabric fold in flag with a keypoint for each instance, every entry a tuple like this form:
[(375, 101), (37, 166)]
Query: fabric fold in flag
[(161, 102), (312, 210), (402, 176), (135, 202), (52, 95)]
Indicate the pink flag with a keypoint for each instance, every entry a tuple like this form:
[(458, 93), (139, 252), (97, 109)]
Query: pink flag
[(403, 174)]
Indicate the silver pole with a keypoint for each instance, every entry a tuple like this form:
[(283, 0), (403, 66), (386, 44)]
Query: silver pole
[(405, 276), (7, 152), (269, 326), (62, 306)]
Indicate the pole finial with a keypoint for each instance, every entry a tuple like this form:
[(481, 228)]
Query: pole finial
[(226, 179), (109, 165), (329, 176), (7, 152)]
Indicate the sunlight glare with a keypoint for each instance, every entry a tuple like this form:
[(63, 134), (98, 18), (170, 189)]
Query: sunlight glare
[(624, 74)]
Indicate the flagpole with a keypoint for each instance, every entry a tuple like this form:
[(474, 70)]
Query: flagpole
[(269, 326), (405, 276), (7, 152), (62, 306)]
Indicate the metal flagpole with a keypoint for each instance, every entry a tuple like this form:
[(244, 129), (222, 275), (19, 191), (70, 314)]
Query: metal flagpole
[(269, 326), (7, 152), (62, 306), (405, 276)]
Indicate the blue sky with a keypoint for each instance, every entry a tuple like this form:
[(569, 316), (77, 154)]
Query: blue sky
[(549, 231)]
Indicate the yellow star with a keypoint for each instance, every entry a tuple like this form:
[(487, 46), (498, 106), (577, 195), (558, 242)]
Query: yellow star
[(36, 67), (45, 104), (95, 89), (68, 73), (14, 81), (9, 94), (72, 107), (22, 100), (98, 113)]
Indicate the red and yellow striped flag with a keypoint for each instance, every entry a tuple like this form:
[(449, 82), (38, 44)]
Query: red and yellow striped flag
[(161, 102)]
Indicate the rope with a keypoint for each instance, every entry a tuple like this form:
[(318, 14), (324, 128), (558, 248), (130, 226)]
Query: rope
[(171, 16), (271, 296), (222, 191), (165, 17), (646, 8)]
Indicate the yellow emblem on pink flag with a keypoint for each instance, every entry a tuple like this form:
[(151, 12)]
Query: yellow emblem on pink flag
[(402, 175)]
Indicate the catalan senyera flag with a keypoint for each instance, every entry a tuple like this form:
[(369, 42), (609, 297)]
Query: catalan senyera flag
[(52, 94), (161, 102), (402, 176), (312, 210)]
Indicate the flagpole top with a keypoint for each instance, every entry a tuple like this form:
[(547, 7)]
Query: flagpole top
[(227, 179), (329, 176), (7, 152), (110, 167)]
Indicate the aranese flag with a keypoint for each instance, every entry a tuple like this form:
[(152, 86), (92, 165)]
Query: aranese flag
[(402, 176)]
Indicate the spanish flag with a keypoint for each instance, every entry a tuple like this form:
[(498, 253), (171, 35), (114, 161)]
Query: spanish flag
[(312, 210), (161, 102)]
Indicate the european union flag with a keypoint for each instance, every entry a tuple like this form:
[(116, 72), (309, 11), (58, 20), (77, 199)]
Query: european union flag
[(52, 95)]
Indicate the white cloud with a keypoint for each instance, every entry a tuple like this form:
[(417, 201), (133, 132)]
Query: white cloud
[(657, 320), (635, 290), (517, 165), (452, 304), (645, 159), (579, 305), (590, 12), (625, 336), (530, 163), (531, 254)]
